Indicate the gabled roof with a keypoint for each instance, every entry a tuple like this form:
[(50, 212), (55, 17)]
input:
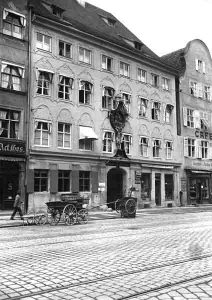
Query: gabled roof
[(175, 59), (88, 18)]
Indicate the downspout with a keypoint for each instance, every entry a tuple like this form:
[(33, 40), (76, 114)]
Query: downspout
[(28, 110)]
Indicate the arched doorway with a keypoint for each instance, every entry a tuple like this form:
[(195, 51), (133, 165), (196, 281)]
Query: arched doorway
[(115, 186)]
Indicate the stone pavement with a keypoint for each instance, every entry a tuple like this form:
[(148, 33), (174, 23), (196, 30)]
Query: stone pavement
[(156, 257), (101, 215)]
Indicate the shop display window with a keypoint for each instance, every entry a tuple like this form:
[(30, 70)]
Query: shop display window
[(145, 185), (169, 187)]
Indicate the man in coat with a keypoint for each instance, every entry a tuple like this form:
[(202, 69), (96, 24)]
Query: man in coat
[(17, 206)]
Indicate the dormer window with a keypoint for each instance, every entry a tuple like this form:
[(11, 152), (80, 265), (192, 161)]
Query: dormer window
[(13, 23), (138, 45), (109, 21), (57, 11)]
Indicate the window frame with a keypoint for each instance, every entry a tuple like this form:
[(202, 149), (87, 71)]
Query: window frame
[(83, 55), (40, 178), (41, 44), (13, 79), (65, 88), (107, 142), (14, 15), (139, 76), (86, 92), (126, 143), (191, 147), (84, 181), (65, 44), (144, 146), (143, 112), (169, 149), (107, 58), (156, 111), (42, 131), (64, 134), (11, 124), (154, 80), (124, 69), (44, 82), (64, 180), (156, 148), (107, 99), (165, 83), (190, 118)]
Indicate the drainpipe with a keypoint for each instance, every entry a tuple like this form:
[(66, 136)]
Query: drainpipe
[(28, 110)]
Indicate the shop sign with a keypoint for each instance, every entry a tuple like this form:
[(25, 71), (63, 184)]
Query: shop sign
[(202, 164), (203, 134), (101, 187), (138, 177), (8, 147)]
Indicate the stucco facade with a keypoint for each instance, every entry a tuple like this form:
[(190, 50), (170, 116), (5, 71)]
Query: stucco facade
[(62, 158)]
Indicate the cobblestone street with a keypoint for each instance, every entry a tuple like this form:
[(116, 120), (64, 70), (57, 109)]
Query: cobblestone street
[(154, 257)]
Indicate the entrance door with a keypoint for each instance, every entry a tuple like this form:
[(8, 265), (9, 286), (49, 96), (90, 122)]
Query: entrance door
[(114, 186), (158, 189)]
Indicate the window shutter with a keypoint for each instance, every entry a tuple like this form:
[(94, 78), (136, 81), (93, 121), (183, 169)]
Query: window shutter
[(196, 63), (203, 67), (197, 123), (210, 150), (198, 149), (30, 181), (95, 182), (199, 90), (53, 181), (75, 181), (185, 116), (186, 147)]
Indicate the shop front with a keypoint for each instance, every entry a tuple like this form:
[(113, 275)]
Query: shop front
[(12, 171)]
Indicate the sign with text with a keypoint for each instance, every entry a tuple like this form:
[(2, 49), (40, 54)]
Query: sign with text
[(137, 177), (9, 147)]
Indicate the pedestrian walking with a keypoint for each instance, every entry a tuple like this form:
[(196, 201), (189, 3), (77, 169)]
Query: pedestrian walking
[(17, 206)]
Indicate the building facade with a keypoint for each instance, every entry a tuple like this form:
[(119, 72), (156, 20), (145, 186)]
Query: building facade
[(13, 100), (194, 110), (102, 111)]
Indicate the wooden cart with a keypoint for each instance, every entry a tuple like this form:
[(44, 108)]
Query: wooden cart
[(69, 210), (126, 206)]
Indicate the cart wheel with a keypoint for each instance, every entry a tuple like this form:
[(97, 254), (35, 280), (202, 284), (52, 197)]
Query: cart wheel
[(54, 217), (117, 205), (30, 220), (36, 219), (130, 206), (82, 216), (42, 219), (70, 214)]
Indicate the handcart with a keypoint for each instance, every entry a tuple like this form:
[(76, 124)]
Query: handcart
[(126, 206), (69, 210)]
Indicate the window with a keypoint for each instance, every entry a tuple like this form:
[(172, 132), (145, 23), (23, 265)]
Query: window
[(168, 149), (63, 181), (194, 88), (107, 63), (43, 42), (124, 69), (200, 65), (203, 149), (85, 92), (142, 75), (109, 21), (156, 111), (64, 135), (40, 180), (84, 181), (143, 103), (145, 186), (86, 144), (84, 55), (155, 80), (204, 120), (57, 11), (191, 147), (156, 148), (13, 24), (107, 97), (126, 98), (190, 118), (126, 143), (207, 93), (11, 76), (165, 83), (144, 142), (42, 133), (9, 123), (65, 49), (168, 113), (44, 82), (108, 138), (65, 87)]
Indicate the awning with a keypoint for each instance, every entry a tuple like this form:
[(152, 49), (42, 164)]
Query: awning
[(87, 133)]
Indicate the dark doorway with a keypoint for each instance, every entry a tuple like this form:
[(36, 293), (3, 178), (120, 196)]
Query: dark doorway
[(158, 189), (114, 186), (9, 179)]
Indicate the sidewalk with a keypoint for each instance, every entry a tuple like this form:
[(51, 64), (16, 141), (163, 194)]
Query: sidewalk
[(101, 215)]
